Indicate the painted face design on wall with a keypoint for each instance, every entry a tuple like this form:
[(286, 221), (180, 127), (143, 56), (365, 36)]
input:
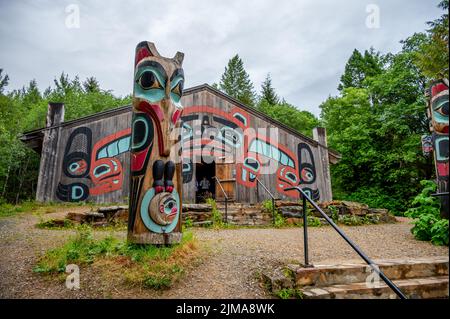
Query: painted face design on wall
[(95, 169)]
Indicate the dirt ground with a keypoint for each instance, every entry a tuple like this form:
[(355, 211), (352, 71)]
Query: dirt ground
[(229, 270)]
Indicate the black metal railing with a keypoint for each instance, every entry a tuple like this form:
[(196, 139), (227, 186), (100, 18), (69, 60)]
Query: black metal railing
[(225, 196), (358, 250), (271, 196)]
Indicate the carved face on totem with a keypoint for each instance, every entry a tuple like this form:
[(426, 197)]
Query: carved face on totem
[(158, 87)]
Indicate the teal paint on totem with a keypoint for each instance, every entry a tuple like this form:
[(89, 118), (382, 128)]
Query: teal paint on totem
[(140, 119), (441, 144), (152, 94), (147, 220), (438, 105), (175, 97)]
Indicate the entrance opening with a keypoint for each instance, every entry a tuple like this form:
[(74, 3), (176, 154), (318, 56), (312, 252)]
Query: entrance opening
[(205, 183)]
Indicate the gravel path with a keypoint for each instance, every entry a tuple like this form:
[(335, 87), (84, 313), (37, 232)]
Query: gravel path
[(235, 257)]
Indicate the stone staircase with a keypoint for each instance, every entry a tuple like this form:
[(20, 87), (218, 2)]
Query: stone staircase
[(417, 279)]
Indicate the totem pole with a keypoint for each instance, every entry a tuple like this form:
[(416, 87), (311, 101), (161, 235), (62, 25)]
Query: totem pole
[(155, 189), (438, 115)]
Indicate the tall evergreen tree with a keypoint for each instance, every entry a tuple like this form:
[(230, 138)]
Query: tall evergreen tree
[(433, 56), (359, 67), (91, 85), (268, 92), (236, 82)]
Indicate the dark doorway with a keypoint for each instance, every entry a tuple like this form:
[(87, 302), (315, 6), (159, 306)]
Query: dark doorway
[(205, 183)]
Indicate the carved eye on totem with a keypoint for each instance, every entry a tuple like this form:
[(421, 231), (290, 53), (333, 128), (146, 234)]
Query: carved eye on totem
[(148, 81), (441, 106), (178, 89)]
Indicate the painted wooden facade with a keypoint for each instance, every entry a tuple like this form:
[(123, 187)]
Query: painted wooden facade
[(88, 158)]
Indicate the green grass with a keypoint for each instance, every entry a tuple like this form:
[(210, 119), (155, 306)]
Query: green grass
[(148, 266), (7, 209), (288, 293), (53, 224)]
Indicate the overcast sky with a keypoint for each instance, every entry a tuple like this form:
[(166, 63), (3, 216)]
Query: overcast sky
[(303, 44)]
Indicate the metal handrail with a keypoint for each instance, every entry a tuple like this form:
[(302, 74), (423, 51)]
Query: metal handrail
[(271, 196), (305, 198), (226, 197)]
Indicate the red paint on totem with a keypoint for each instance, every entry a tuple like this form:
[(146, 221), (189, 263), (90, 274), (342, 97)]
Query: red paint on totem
[(176, 116), (138, 160), (436, 89), (155, 112), (442, 169), (142, 53)]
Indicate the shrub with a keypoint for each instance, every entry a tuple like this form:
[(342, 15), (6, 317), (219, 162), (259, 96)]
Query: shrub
[(428, 224), (216, 215), (376, 197)]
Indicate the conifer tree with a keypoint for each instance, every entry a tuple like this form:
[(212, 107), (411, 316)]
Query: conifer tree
[(236, 82)]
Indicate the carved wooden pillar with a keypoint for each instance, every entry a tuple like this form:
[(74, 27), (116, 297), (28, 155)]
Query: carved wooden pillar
[(156, 184), (439, 112)]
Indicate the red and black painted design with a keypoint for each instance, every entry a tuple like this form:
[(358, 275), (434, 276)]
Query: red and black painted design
[(96, 170), (217, 133)]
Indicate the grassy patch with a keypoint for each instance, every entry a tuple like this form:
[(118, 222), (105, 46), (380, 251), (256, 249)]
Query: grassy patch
[(55, 224), (289, 293), (146, 266), (61, 224)]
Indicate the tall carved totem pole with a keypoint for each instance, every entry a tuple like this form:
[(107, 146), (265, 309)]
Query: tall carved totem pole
[(438, 115), (156, 184)]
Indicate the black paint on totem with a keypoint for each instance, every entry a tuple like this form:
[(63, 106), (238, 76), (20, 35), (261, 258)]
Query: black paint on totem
[(141, 138)]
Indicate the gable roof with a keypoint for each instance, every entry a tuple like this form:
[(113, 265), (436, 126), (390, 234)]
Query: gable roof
[(34, 138)]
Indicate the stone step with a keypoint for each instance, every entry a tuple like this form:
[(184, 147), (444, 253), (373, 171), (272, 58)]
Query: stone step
[(417, 278), (415, 288), (324, 275)]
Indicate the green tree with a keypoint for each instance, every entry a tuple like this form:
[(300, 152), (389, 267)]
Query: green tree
[(236, 82), (302, 121), (359, 67), (377, 129), (25, 109), (268, 92), (433, 56), (90, 85), (3, 80)]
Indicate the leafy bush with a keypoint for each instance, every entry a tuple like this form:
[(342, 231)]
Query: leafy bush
[(376, 197), (216, 215), (428, 224), (280, 221)]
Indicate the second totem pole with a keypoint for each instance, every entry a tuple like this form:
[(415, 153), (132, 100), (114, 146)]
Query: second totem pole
[(156, 184)]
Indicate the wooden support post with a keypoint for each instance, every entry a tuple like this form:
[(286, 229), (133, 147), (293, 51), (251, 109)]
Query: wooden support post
[(320, 135), (49, 154)]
